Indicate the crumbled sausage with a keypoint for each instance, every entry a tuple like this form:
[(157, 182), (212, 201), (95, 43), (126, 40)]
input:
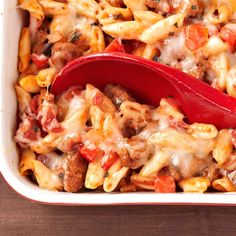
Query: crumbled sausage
[(133, 118), (39, 42), (139, 151), (63, 53), (75, 171), (79, 39), (187, 165), (117, 94)]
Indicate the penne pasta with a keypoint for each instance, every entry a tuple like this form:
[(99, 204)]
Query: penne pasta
[(88, 8), (34, 8), (115, 174), (223, 147), (223, 185), (202, 131), (109, 14), (106, 140), (24, 50), (220, 65), (61, 25), (161, 29), (149, 52), (23, 98), (95, 175), (195, 185), (97, 42), (45, 77), (214, 46), (124, 30), (136, 5), (159, 160), (230, 82), (224, 13), (147, 17), (29, 84), (46, 178), (52, 8)]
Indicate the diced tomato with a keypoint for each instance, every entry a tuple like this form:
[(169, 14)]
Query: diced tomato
[(131, 45), (34, 104), (91, 154), (47, 113), (40, 61), (115, 46), (164, 184), (98, 99), (230, 37), (196, 36), (31, 135), (51, 123), (113, 157), (32, 129)]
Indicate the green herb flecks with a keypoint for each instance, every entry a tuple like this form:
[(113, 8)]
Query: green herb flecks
[(156, 58), (194, 7)]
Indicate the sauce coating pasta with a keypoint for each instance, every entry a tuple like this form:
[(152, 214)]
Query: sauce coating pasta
[(87, 139)]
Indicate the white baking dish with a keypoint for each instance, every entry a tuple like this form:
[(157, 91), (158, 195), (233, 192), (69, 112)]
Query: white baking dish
[(11, 21)]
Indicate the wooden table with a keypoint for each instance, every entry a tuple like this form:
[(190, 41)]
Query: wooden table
[(21, 217)]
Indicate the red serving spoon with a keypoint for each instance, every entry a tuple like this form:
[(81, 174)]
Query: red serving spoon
[(150, 81)]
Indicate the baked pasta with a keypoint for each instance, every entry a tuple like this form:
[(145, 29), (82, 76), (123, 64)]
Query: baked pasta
[(88, 139), (109, 141)]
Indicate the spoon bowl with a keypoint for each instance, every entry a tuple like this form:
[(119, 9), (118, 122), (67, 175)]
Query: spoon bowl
[(150, 81)]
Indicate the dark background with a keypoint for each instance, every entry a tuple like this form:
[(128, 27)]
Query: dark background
[(21, 217)]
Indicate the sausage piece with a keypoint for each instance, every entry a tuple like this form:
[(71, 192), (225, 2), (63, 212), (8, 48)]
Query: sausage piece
[(63, 53), (117, 94), (139, 151), (75, 171)]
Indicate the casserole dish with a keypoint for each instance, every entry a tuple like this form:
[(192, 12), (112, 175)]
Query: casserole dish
[(11, 16)]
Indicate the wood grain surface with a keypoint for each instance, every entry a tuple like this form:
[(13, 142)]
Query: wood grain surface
[(21, 217)]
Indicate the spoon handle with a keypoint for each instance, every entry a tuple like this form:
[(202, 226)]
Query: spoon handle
[(201, 102)]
